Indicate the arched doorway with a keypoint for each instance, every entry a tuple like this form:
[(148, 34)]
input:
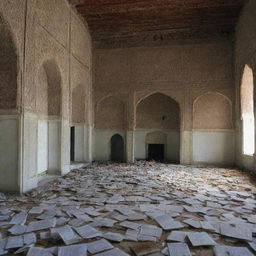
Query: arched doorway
[(49, 127), (78, 119), (158, 112), (117, 148)]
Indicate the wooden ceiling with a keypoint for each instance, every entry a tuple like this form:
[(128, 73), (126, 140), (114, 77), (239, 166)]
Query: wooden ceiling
[(113, 22)]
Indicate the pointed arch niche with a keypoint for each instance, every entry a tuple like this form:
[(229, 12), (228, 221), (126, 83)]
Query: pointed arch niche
[(110, 120), (49, 101), (213, 134), (158, 115)]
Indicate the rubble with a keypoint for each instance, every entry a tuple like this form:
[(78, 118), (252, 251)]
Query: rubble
[(142, 209)]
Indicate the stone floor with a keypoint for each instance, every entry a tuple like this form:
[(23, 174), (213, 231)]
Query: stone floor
[(141, 209)]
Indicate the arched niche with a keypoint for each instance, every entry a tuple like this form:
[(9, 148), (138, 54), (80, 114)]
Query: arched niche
[(110, 114), (49, 104), (162, 113), (213, 135), (158, 111), (8, 68), (49, 96), (78, 104), (247, 111), (78, 119), (212, 111), (117, 148)]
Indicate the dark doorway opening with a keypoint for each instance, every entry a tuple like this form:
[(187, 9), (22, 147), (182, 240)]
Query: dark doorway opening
[(156, 152), (72, 144), (117, 148)]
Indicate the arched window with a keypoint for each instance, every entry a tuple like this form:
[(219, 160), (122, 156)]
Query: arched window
[(247, 111)]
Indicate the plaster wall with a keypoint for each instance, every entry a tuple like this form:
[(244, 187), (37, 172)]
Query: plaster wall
[(182, 71), (9, 153), (215, 148), (245, 54), (102, 143), (42, 147), (12, 26), (172, 145), (79, 143), (45, 32), (54, 149)]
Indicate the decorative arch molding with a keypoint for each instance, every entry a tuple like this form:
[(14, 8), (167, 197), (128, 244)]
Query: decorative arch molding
[(116, 96), (140, 96), (161, 105), (219, 117), (212, 92), (112, 115)]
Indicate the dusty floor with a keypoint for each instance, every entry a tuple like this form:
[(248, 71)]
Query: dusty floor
[(126, 199)]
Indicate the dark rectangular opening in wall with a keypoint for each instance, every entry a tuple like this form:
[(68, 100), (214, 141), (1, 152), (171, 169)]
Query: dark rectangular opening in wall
[(156, 152), (72, 144)]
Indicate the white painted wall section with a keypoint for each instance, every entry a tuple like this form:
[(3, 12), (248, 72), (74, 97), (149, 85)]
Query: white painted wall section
[(213, 147), (9, 141), (42, 147), (102, 143), (53, 146), (172, 150), (79, 143)]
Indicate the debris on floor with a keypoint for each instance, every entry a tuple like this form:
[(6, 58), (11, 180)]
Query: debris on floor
[(145, 208)]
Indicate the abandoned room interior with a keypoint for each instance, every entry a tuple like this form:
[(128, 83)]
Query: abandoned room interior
[(127, 127)]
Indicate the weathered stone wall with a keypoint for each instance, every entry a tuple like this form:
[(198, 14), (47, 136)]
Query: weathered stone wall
[(183, 72), (45, 63), (110, 113), (81, 62), (205, 116), (12, 27), (55, 33), (245, 54)]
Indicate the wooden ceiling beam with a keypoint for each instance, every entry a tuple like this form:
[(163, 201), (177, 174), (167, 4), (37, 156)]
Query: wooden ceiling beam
[(122, 20), (100, 7), (164, 32), (163, 24)]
